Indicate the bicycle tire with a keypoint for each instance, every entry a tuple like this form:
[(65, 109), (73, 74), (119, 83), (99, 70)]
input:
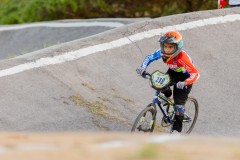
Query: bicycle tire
[(196, 108), (143, 113)]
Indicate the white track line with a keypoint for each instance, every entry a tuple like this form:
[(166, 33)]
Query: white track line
[(62, 25), (74, 55)]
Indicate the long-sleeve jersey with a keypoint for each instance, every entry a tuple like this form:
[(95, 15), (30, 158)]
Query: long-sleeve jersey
[(181, 63)]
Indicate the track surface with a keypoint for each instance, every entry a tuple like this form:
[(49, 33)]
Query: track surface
[(101, 91)]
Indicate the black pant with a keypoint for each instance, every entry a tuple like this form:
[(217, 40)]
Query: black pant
[(180, 96)]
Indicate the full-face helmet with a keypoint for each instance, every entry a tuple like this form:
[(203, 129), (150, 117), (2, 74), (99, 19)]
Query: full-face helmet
[(171, 37)]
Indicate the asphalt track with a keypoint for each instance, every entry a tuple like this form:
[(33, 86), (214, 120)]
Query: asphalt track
[(39, 89), (25, 38)]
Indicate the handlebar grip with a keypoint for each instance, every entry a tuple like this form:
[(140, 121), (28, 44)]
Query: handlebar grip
[(145, 74)]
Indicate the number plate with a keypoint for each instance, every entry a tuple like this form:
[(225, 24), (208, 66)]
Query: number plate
[(159, 80)]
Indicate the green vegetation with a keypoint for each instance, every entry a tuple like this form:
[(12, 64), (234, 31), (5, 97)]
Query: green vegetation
[(148, 151), (49, 44), (26, 11)]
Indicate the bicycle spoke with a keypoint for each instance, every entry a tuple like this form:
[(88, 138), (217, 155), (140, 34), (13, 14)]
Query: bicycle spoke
[(145, 123)]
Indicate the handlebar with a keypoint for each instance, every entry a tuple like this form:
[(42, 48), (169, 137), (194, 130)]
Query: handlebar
[(147, 75)]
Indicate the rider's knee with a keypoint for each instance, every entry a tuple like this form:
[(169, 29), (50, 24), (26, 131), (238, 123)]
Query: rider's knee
[(167, 92)]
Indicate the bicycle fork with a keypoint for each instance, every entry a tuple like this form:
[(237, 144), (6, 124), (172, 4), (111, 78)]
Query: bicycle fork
[(151, 124)]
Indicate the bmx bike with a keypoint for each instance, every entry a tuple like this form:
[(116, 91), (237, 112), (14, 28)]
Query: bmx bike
[(146, 120)]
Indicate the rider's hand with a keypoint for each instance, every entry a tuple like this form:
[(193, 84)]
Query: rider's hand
[(140, 70), (181, 85)]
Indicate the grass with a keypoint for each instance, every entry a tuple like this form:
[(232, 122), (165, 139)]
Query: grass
[(104, 99), (12, 55), (124, 98), (88, 86), (97, 109), (23, 52), (99, 125), (147, 152), (49, 44), (156, 152)]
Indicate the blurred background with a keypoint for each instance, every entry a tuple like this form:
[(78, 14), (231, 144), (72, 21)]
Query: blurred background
[(27, 11)]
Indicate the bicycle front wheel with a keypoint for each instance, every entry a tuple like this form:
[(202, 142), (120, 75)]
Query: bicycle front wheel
[(190, 115), (145, 121)]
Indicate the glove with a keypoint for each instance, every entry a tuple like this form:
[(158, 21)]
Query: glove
[(140, 70), (181, 85)]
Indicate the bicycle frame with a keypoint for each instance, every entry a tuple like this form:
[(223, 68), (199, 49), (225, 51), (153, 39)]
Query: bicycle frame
[(160, 100), (156, 100)]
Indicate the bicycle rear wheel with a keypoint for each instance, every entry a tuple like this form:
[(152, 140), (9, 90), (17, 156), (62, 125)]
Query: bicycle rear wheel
[(145, 121), (190, 115)]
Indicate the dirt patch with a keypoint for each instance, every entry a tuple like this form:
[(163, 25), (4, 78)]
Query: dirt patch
[(99, 110)]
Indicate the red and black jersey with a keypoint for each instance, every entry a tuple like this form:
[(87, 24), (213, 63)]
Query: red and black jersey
[(181, 63)]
